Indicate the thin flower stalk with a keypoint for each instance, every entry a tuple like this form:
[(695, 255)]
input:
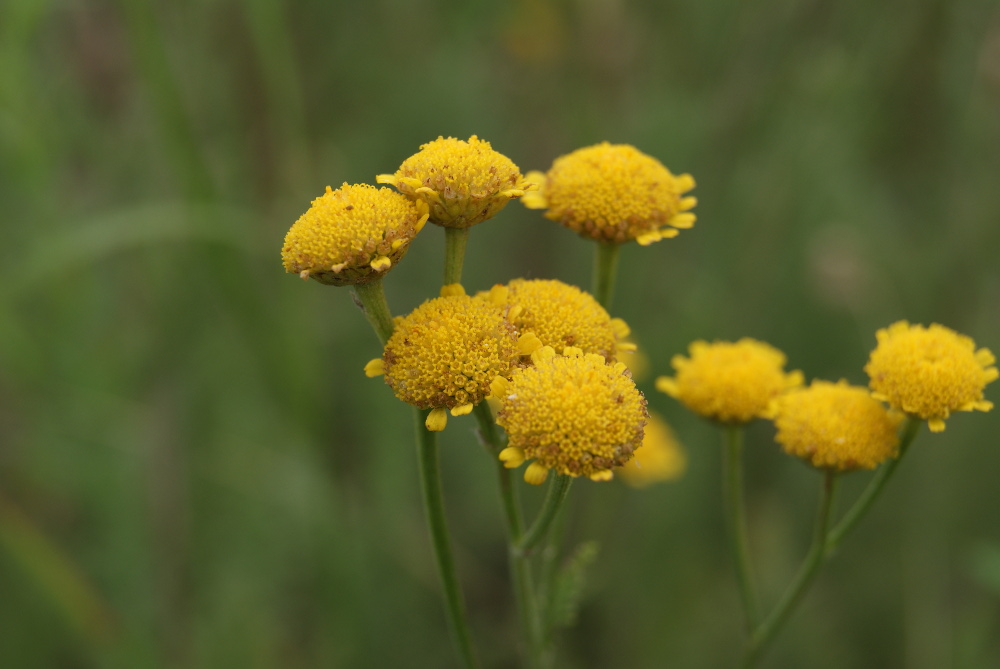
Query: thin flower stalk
[(766, 630), (874, 488), (605, 271), (430, 487), (737, 523), (520, 565), (455, 240), (554, 500), (371, 298)]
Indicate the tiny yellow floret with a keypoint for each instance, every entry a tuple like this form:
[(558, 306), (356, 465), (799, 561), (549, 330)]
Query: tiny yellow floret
[(448, 351), (729, 382), (836, 426), (374, 368), (512, 457), (660, 458), (577, 415), (352, 235), (462, 182), (556, 314), (614, 193), (536, 473), (436, 420), (928, 372)]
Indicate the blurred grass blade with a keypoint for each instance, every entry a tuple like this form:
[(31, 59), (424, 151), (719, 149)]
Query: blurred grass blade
[(55, 574)]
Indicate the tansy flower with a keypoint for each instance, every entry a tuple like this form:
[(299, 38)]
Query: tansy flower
[(446, 352), (463, 183), (614, 193), (835, 426), (929, 372), (575, 414), (557, 314), (729, 382), (660, 457), (352, 235)]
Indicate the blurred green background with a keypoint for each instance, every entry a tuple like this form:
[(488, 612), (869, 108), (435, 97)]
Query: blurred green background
[(195, 473)]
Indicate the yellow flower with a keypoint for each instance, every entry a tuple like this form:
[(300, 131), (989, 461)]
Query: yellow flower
[(463, 183), (446, 352), (561, 315), (575, 414), (835, 426), (929, 372), (352, 235), (660, 457), (614, 193), (729, 382)]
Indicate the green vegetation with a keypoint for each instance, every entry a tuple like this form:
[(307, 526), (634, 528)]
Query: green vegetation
[(195, 472)]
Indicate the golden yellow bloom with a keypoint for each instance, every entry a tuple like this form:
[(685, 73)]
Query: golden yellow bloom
[(561, 315), (660, 457), (463, 183), (835, 426), (929, 372), (614, 193), (352, 235), (576, 414), (446, 352), (729, 382)]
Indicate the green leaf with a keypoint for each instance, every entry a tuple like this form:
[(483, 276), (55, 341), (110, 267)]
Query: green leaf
[(567, 589)]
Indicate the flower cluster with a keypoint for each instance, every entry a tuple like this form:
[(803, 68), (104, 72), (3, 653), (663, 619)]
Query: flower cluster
[(729, 382), (836, 426), (574, 413), (614, 193), (925, 373), (929, 372), (463, 183), (352, 235), (446, 352)]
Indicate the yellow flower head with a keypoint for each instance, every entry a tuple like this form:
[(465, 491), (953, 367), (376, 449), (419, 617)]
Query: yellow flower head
[(929, 372), (729, 382), (614, 193), (446, 352), (835, 426), (660, 457), (352, 235), (561, 315), (576, 414), (463, 183)]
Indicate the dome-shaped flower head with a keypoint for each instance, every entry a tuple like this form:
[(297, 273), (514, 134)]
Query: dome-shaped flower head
[(729, 382), (463, 182), (614, 193), (446, 352), (575, 414), (660, 457), (835, 426), (352, 235), (929, 372), (560, 315)]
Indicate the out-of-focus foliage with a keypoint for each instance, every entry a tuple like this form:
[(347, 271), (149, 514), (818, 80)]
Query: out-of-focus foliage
[(194, 471)]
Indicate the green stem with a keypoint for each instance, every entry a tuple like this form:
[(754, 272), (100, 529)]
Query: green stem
[(520, 566), (455, 240), (875, 486), (737, 523), (558, 489), (430, 486), (371, 298), (605, 270), (764, 633)]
